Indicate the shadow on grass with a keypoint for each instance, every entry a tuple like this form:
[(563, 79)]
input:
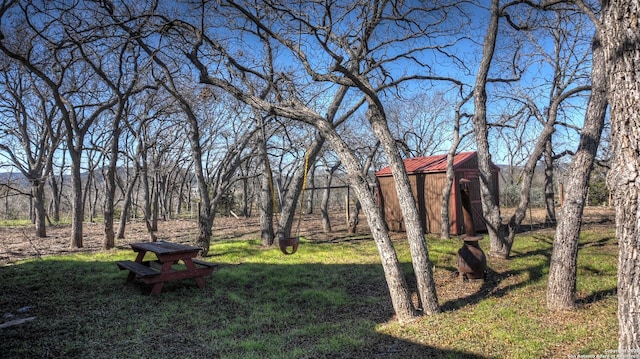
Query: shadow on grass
[(491, 283), (597, 296), (84, 308)]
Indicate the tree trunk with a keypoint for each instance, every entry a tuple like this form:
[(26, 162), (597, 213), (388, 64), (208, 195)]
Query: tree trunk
[(126, 206), (155, 207), (147, 196), (311, 179), (267, 195), (561, 290), (446, 193), (245, 197), (324, 202), (324, 206), (109, 200), (415, 231), (55, 198), (621, 41), (549, 193), (110, 184), (37, 193), (490, 208), (396, 282), (450, 174), (354, 218), (290, 200), (77, 200)]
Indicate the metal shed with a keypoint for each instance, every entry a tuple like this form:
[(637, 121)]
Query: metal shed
[(427, 176)]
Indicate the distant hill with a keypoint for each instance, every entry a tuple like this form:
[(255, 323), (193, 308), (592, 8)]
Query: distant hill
[(15, 178)]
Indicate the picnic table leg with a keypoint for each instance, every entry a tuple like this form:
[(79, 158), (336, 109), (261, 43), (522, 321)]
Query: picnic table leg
[(190, 266), (166, 268), (157, 288), (139, 258)]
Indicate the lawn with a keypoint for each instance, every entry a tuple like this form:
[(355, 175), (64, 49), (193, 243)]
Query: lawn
[(329, 300)]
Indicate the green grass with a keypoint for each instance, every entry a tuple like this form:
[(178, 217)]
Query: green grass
[(329, 300), (15, 222)]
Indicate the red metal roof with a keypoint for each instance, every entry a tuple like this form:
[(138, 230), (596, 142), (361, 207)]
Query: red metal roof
[(428, 164)]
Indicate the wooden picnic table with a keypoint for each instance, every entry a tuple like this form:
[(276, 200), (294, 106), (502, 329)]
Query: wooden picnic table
[(162, 270)]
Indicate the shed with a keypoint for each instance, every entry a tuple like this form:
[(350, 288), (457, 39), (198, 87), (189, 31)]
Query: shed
[(427, 176)]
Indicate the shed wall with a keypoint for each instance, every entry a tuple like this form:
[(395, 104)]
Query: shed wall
[(427, 191)]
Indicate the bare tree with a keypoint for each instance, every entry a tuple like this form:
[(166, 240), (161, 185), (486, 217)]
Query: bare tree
[(421, 124), (345, 74), (619, 34), (564, 85), (457, 139), (32, 132), (324, 200), (72, 83), (561, 291)]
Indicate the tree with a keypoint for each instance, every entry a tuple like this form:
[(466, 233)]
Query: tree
[(72, 83), (324, 201), (31, 135), (621, 42), (286, 104), (345, 49), (457, 139), (490, 208), (561, 291), (564, 85)]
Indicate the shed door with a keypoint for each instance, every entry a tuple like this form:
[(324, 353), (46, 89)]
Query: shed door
[(476, 201)]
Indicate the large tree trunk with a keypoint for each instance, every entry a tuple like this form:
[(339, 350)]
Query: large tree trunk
[(498, 246), (398, 290), (621, 40), (56, 190), (354, 218), (55, 199), (266, 210), (324, 202), (126, 206), (109, 200), (206, 213), (413, 224), (147, 196), (445, 232), (561, 291), (324, 206)]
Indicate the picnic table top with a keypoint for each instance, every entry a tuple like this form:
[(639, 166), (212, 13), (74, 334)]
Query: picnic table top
[(164, 247)]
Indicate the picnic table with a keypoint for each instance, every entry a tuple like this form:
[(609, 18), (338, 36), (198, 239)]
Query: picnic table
[(162, 270)]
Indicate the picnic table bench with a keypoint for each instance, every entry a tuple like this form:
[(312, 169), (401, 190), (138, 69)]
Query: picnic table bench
[(158, 272)]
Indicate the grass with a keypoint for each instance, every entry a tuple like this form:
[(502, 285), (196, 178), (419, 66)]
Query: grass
[(329, 300)]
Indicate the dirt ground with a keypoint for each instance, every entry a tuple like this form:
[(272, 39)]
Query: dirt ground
[(17, 243)]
